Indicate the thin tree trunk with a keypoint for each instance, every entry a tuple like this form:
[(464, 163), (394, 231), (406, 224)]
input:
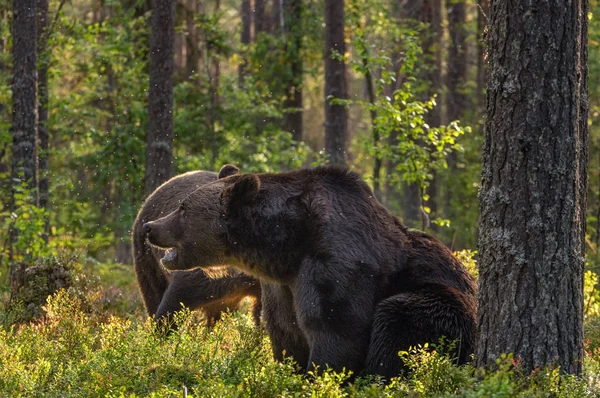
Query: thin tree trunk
[(277, 16), (24, 129), (260, 21), (336, 116), (192, 53), (214, 95), (293, 31), (363, 53), (159, 152), (246, 14), (44, 63), (533, 194), (455, 79), (430, 13), (391, 192)]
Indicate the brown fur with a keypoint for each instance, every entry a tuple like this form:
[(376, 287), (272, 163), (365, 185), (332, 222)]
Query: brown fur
[(344, 283), (163, 293)]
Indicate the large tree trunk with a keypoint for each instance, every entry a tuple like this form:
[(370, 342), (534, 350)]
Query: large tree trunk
[(534, 186), (336, 116), (24, 129), (159, 151), (293, 30), (44, 63), (483, 13)]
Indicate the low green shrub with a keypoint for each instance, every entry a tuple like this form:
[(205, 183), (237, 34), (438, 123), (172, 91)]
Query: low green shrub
[(72, 351)]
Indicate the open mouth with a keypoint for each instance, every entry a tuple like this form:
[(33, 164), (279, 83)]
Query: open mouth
[(169, 258)]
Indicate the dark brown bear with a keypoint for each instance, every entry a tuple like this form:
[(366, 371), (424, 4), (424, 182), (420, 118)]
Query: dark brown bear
[(212, 291), (345, 284)]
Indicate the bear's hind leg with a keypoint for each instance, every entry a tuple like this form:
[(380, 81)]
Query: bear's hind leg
[(415, 318)]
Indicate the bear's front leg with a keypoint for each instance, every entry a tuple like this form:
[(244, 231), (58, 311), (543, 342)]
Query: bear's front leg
[(336, 315), (287, 339)]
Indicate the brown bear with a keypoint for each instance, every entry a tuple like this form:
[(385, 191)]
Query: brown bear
[(212, 291), (344, 283)]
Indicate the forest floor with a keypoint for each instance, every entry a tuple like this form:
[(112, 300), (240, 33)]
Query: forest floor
[(94, 340)]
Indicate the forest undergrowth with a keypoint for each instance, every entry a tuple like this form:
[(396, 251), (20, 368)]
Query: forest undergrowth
[(92, 338)]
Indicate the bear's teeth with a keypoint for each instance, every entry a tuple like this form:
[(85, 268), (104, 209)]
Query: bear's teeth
[(170, 256)]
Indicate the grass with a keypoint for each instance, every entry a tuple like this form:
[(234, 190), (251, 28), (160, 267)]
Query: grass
[(101, 344)]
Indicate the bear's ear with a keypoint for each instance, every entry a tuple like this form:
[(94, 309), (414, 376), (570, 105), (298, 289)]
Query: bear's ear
[(243, 190), (228, 170)]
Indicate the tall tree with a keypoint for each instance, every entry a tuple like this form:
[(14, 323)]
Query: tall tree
[(44, 63), (457, 61), (456, 77), (260, 17), (246, 36), (159, 151), (292, 30), (192, 61), (428, 13), (336, 116), (432, 15), (533, 194), (24, 99)]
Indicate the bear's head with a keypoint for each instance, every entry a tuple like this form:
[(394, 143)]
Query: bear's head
[(267, 224), (197, 234)]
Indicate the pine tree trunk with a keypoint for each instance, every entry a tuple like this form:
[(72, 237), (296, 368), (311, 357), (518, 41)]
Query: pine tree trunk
[(260, 18), (215, 99), (533, 194), (44, 63), (246, 14), (483, 13), (277, 18), (159, 151), (336, 116), (293, 31), (24, 129), (455, 79), (191, 39), (429, 13)]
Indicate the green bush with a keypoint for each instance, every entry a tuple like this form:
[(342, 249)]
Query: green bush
[(76, 352)]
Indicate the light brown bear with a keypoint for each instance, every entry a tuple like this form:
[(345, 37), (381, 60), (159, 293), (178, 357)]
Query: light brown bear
[(211, 291)]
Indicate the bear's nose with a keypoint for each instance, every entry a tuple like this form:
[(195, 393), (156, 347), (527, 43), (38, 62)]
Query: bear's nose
[(147, 228)]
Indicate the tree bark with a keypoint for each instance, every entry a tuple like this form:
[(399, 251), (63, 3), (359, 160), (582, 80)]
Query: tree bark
[(293, 33), (533, 194), (159, 152), (44, 63), (483, 13), (336, 116), (24, 129)]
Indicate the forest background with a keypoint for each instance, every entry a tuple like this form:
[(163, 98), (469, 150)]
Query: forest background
[(249, 88)]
